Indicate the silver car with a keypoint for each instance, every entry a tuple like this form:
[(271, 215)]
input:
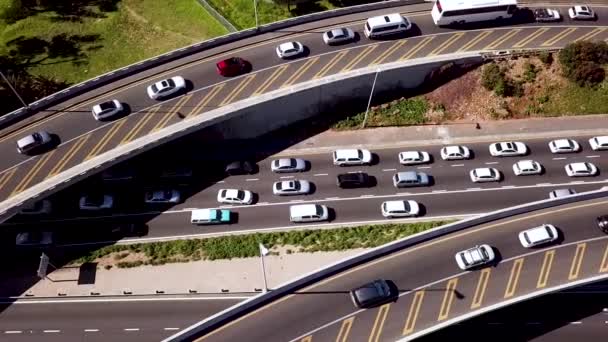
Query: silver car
[(106, 110), (284, 165), (338, 35), (476, 256), (31, 143), (291, 187)]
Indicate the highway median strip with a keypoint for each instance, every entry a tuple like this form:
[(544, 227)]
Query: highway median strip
[(246, 246)]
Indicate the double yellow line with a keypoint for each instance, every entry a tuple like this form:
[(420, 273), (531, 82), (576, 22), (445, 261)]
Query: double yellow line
[(32, 173), (424, 42), (106, 139), (292, 79), (545, 269), (236, 91), (575, 267), (453, 38), (480, 290), (359, 57), (374, 336), (205, 100), (591, 34), (278, 72), (6, 176), (448, 298), (140, 124), (388, 52), (331, 63), (177, 106), (412, 315), (530, 37), (475, 40), (69, 155), (345, 330), (559, 36), (497, 42), (603, 264), (514, 277)]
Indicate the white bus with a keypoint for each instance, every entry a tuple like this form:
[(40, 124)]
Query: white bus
[(452, 12)]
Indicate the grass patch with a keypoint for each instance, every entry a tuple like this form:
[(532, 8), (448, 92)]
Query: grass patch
[(402, 112), (136, 30), (241, 13), (576, 100), (244, 246)]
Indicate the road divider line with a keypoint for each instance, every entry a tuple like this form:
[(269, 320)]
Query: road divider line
[(455, 165), (69, 155), (559, 36), (575, 267), (32, 173), (91, 330), (424, 167), (320, 174), (13, 332), (170, 328), (449, 42), (205, 100), (448, 297), (6, 176), (330, 65), (273, 77), (388, 52), (424, 42), (237, 90), (604, 263), (596, 156), (251, 179), (387, 170), (294, 77), (345, 329), (174, 110), (131, 329), (51, 331), (502, 39), (105, 139), (368, 49), (332, 198), (545, 269), (141, 123), (591, 34), (514, 277), (475, 40), (559, 158), (491, 163), (412, 315), (374, 336), (530, 37), (480, 290)]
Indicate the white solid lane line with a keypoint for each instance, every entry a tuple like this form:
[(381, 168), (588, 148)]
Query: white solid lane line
[(110, 300), (131, 329), (13, 332), (332, 198), (252, 179), (364, 196), (91, 330), (577, 322), (51, 331)]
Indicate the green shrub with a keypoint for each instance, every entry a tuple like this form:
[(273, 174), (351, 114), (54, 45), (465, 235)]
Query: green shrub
[(588, 74), (546, 58), (530, 72), (582, 60), (492, 76), (543, 99)]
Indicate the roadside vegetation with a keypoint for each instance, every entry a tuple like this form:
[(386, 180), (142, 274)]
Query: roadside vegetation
[(49, 45), (245, 246), (571, 82)]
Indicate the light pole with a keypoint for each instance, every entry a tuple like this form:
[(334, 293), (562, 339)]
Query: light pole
[(263, 252), (13, 89), (369, 101), (255, 10)]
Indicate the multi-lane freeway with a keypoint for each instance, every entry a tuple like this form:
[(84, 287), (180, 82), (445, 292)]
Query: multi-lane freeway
[(441, 296), (81, 137)]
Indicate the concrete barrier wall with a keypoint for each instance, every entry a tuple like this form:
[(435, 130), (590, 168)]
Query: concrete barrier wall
[(114, 75)]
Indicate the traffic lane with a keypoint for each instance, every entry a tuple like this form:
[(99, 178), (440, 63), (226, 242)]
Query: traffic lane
[(145, 315), (436, 255)]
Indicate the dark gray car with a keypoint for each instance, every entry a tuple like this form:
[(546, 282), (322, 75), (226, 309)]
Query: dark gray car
[(372, 294)]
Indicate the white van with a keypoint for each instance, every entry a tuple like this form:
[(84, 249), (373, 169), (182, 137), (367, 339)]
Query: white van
[(210, 216), (386, 24), (308, 213)]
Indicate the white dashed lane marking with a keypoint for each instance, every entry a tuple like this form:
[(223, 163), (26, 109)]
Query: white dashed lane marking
[(560, 158), (171, 328), (491, 163), (252, 179), (593, 156), (320, 174), (131, 329), (51, 331), (388, 170), (332, 198), (455, 165), (91, 330), (424, 167), (286, 177), (13, 332)]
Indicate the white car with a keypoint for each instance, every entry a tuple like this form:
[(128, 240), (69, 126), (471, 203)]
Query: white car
[(162, 196), (400, 208), (545, 15), (290, 49), (581, 12), (485, 174), (476, 256), (32, 142), (582, 169), (527, 167), (284, 165), (455, 152), (106, 110), (349, 157), (538, 235), (96, 202), (34, 239), (564, 146), (599, 143), (234, 196), (37, 208), (508, 149), (338, 35), (291, 187), (166, 87), (558, 193), (414, 157)]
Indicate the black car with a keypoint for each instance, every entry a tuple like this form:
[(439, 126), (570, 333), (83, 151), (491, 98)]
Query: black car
[(240, 168), (353, 180), (602, 223), (373, 294)]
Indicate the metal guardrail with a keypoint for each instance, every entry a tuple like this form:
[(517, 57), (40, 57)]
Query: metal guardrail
[(112, 76), (243, 308)]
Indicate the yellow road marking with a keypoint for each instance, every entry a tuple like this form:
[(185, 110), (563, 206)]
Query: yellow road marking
[(412, 315), (374, 336), (448, 297), (278, 72), (176, 107), (575, 267), (331, 63), (141, 123), (514, 277), (32, 173), (603, 264), (424, 42), (205, 100), (6, 176), (559, 36), (545, 269), (69, 155), (292, 79), (591, 34), (238, 90), (306, 339), (480, 290), (502, 39), (530, 37), (402, 253), (388, 52), (345, 330), (105, 140), (368, 49), (454, 37), (475, 40)]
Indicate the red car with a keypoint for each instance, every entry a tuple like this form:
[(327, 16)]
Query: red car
[(233, 66)]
